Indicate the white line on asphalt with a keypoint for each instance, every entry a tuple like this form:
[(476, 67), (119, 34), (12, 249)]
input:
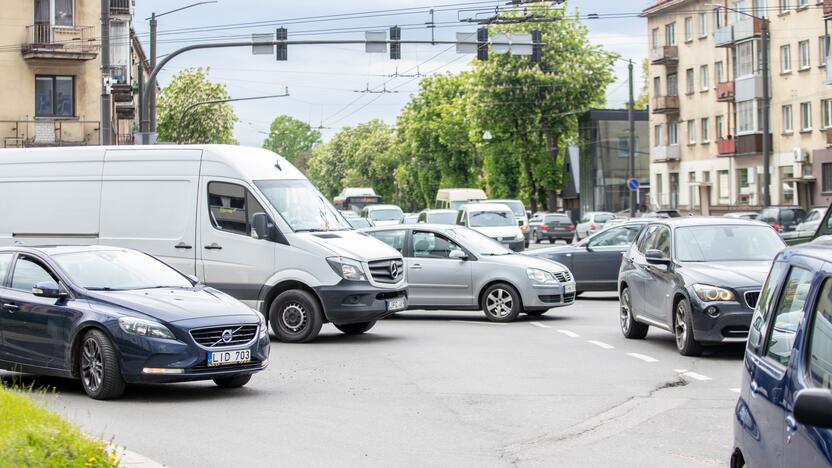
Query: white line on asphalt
[(642, 357), (695, 376), (570, 334), (538, 324), (473, 322), (680, 371), (735, 390), (601, 344)]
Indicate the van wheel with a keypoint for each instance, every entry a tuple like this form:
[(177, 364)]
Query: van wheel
[(501, 303), (629, 327), (235, 381), (295, 316), (355, 328), (99, 368), (683, 329)]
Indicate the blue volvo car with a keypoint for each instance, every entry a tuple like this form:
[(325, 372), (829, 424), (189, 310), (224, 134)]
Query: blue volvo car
[(112, 316), (784, 414)]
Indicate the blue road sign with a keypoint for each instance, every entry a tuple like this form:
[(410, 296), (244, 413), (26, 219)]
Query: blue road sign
[(633, 185)]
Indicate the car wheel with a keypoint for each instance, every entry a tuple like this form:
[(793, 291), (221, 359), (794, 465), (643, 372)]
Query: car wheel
[(683, 329), (536, 238), (356, 328), (536, 313), (295, 316), (526, 245), (501, 303), (235, 381), (99, 368), (629, 327), (551, 241)]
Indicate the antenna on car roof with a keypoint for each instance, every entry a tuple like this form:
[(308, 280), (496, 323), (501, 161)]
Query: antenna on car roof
[(277, 164)]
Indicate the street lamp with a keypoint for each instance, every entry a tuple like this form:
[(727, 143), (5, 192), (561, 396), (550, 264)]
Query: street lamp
[(764, 29), (218, 101), (149, 121)]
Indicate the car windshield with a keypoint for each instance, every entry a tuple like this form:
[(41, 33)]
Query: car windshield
[(479, 243), (563, 219), (516, 207), (302, 206), (442, 218), (726, 243), (359, 223), (390, 214), (492, 218), (118, 270)]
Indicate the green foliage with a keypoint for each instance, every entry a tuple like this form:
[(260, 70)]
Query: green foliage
[(292, 139), (212, 123), (30, 435), (643, 99)]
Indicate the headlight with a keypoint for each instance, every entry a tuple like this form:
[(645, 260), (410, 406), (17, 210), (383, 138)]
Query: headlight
[(540, 276), (141, 327), (712, 293), (264, 327), (519, 237), (347, 268), (524, 227)]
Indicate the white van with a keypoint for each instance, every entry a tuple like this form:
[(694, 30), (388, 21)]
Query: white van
[(453, 199), (243, 220), (494, 220)]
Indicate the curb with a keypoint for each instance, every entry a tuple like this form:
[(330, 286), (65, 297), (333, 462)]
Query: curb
[(126, 458)]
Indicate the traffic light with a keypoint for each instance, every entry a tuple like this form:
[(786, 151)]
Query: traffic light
[(282, 50), (537, 46), (395, 43), (482, 44)]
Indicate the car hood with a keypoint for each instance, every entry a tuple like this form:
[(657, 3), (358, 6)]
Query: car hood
[(351, 244), (389, 222), (727, 274), (175, 304), (498, 231), (526, 261), (557, 250)]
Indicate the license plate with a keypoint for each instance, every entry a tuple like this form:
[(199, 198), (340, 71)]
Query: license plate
[(396, 304), (222, 358), (570, 288)]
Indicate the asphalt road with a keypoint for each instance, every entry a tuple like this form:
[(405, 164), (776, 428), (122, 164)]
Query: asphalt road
[(442, 389)]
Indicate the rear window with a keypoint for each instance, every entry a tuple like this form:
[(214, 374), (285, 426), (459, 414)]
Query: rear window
[(769, 215), (603, 218), (558, 218)]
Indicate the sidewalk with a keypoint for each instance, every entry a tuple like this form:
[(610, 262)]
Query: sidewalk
[(129, 459)]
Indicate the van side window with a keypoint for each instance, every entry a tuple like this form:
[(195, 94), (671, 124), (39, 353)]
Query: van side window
[(820, 339), (28, 273), (788, 314), (764, 306), (5, 262), (232, 207)]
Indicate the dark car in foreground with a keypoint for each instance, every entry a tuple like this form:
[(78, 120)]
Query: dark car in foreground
[(698, 278), (596, 260), (112, 316), (784, 411)]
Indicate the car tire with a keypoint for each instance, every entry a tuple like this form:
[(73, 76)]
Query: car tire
[(296, 316), (536, 238), (551, 241), (501, 303), (355, 328), (99, 368), (629, 327), (536, 313), (526, 245), (683, 330), (235, 381)]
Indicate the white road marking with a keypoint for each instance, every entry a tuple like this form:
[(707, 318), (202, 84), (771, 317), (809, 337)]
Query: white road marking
[(680, 371), (570, 334), (695, 376), (735, 390), (642, 357), (601, 344), (473, 322), (538, 324)]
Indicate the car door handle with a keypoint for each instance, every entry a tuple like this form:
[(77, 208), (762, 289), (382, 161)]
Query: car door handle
[(214, 246), (755, 388), (416, 266), (183, 245), (11, 307)]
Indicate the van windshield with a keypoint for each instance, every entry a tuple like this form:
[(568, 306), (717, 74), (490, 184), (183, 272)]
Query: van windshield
[(302, 206), (492, 218)]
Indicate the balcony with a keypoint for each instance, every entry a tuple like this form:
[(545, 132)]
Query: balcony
[(120, 7), (725, 91), (829, 137), (748, 88), (665, 105), (827, 9), (747, 29), (751, 144), (43, 133), (726, 147), (75, 43), (667, 55), (666, 153), (724, 37)]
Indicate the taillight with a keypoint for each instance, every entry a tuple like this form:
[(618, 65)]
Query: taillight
[(593, 227), (571, 227), (544, 228), (778, 227)]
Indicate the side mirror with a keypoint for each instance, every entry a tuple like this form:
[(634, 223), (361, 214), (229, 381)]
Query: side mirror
[(260, 223), (194, 279), (458, 255), (48, 289), (813, 407), (656, 257)]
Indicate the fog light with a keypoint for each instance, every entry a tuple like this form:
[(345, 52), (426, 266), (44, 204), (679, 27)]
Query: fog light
[(713, 311), (354, 299), (264, 362), (161, 370)]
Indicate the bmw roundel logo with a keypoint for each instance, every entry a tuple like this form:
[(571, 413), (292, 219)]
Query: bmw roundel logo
[(227, 336), (394, 270)]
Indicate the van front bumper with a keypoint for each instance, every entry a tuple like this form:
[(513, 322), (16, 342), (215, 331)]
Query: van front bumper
[(358, 301)]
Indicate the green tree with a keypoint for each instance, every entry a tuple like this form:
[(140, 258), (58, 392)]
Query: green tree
[(292, 139), (203, 124), (643, 99)]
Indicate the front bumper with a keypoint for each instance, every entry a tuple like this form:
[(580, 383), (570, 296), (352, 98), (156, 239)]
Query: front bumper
[(358, 301), (547, 235), (730, 324), (544, 297)]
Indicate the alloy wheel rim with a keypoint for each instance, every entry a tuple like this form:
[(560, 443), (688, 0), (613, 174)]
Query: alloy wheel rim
[(681, 327), (625, 310), (499, 303), (293, 317), (92, 364)]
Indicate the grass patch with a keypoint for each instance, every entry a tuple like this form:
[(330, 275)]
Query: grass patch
[(31, 435)]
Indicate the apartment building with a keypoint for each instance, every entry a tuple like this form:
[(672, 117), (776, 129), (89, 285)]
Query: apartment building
[(51, 80), (706, 115)]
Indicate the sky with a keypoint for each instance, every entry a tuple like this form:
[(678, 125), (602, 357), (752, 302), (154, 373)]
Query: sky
[(325, 82)]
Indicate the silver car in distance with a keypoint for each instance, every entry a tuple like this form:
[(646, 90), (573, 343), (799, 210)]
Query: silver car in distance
[(456, 268)]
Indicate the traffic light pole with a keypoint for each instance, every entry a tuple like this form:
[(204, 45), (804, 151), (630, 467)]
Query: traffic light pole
[(631, 160)]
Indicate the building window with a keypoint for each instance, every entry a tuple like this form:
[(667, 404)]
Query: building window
[(746, 117), (706, 130), (788, 119), (785, 58), (691, 132), (784, 6), (657, 86), (689, 29), (826, 176), (705, 77), (802, 3), (720, 127), (703, 25), (823, 48), (55, 12), (724, 187), (745, 58), (673, 133), (659, 190), (742, 178), (806, 116), (787, 193), (826, 112), (693, 189), (674, 189), (719, 71), (805, 55), (672, 85), (655, 38), (657, 135), (690, 85), (670, 34), (54, 96)]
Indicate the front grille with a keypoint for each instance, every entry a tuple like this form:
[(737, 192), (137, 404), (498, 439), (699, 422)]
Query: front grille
[(383, 270), (569, 298), (563, 276), (213, 337), (735, 331), (203, 367), (557, 298), (751, 298)]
